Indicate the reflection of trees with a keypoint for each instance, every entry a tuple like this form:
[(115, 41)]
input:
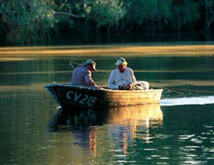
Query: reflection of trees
[(29, 72), (48, 68)]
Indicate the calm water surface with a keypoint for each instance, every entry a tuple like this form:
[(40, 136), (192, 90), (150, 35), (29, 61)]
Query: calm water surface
[(179, 131)]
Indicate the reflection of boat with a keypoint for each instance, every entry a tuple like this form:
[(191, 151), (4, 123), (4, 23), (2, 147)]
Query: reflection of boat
[(128, 123), (134, 115), (125, 115), (125, 125), (145, 116), (89, 97)]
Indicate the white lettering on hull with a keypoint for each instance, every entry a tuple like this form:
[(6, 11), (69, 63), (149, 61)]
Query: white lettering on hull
[(80, 98)]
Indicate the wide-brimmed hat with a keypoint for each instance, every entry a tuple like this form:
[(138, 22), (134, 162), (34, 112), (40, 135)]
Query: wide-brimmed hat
[(90, 61), (121, 61)]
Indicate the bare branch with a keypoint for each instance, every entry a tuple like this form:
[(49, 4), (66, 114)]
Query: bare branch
[(69, 14)]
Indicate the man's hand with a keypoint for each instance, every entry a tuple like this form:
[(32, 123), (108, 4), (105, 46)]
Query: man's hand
[(125, 87), (120, 87), (129, 86)]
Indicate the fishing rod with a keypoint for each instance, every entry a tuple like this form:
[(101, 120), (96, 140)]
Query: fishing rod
[(72, 62), (172, 90)]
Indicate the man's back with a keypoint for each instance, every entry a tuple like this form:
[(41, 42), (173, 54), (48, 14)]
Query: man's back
[(82, 76)]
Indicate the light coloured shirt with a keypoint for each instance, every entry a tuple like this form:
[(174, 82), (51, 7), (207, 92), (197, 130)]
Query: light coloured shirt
[(117, 78), (82, 76)]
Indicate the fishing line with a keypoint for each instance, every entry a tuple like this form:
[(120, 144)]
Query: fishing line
[(196, 90), (182, 93), (172, 90)]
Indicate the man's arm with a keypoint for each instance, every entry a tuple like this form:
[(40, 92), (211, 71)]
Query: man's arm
[(88, 79), (133, 78), (111, 84)]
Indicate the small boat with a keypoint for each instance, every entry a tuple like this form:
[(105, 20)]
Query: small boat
[(70, 96)]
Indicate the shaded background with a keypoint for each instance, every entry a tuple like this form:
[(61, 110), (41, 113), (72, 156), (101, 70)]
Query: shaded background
[(46, 21)]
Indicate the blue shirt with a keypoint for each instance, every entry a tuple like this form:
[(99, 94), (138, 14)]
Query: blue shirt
[(82, 76)]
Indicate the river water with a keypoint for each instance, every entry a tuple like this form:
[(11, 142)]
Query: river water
[(178, 131)]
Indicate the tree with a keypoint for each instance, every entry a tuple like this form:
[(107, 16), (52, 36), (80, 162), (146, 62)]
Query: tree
[(27, 21), (37, 21), (209, 13), (148, 15), (106, 12), (185, 13)]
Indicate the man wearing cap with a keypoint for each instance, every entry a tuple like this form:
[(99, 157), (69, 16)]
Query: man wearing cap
[(82, 74), (122, 77)]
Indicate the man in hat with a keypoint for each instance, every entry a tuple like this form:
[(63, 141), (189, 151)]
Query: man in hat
[(82, 74), (122, 77)]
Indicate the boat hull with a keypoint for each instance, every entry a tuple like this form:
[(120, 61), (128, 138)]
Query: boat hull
[(91, 97)]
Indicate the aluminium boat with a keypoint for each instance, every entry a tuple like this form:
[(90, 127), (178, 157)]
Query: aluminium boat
[(70, 96)]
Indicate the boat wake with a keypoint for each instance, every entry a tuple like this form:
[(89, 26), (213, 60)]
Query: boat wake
[(188, 101)]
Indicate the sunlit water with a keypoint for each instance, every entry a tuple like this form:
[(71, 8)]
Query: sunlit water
[(179, 131)]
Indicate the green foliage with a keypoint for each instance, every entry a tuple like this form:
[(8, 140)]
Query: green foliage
[(27, 21), (185, 13), (148, 13), (106, 12), (208, 8), (36, 21), (153, 10)]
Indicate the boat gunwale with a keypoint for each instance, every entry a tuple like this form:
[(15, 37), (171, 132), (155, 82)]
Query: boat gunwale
[(104, 89)]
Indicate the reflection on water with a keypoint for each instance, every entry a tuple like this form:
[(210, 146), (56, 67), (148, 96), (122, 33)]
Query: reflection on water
[(146, 134), (110, 50), (129, 123), (136, 118), (130, 135), (132, 115), (125, 124)]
